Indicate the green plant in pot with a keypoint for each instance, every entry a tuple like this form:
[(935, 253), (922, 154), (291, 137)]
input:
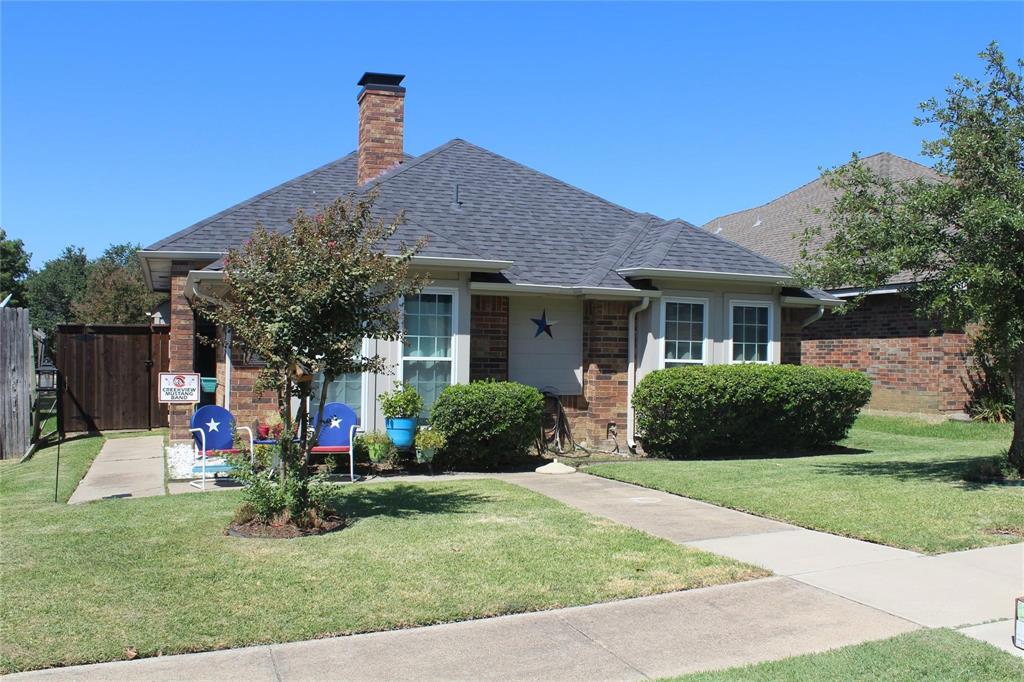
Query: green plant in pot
[(428, 442), (378, 446), (401, 408)]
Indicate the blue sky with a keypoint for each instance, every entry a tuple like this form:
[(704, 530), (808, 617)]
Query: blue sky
[(129, 121)]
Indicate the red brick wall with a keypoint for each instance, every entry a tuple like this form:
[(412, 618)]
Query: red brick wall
[(247, 406), (488, 338), (181, 345), (381, 123), (605, 375), (914, 364), (792, 318)]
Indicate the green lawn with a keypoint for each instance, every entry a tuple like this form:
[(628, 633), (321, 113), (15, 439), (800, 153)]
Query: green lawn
[(84, 583), (921, 655), (895, 481)]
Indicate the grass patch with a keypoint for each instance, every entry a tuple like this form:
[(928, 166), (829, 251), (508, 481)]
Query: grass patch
[(33, 482), (84, 583), (895, 481), (921, 655)]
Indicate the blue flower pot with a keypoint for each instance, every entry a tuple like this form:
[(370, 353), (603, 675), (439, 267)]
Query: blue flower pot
[(402, 432)]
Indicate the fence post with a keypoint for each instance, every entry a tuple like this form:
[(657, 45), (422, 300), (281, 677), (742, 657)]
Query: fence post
[(17, 377)]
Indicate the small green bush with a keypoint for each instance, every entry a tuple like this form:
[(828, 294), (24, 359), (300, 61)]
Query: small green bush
[(401, 403), (735, 410), (486, 423), (299, 500), (378, 447)]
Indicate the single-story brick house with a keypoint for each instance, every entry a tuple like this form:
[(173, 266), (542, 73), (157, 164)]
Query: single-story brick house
[(915, 364), (533, 280)]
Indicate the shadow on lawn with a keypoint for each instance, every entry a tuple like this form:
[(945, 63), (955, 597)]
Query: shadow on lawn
[(939, 471), (785, 454), (404, 500)]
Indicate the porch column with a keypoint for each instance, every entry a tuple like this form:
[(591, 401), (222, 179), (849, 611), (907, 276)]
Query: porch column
[(182, 345)]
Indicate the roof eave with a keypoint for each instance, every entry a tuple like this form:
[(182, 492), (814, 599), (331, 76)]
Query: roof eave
[(670, 273), (474, 264), (809, 302), (851, 292), (512, 289)]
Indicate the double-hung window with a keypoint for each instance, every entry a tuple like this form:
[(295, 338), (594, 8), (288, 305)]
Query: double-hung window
[(346, 389), (428, 348), (751, 331), (685, 331)]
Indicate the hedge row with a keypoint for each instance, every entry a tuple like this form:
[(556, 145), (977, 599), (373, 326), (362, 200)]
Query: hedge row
[(736, 410)]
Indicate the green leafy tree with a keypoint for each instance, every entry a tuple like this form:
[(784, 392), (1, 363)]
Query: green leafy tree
[(13, 269), (961, 238), (115, 289), (303, 300), (53, 290)]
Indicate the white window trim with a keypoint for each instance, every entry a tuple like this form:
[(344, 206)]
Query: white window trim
[(455, 335), (733, 304), (705, 347)]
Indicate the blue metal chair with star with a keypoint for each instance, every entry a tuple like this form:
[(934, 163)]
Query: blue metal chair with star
[(338, 434), (212, 429)]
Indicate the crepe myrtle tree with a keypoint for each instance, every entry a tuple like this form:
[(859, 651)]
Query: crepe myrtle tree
[(962, 237), (304, 299)]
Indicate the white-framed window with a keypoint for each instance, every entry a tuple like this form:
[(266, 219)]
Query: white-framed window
[(750, 324), (684, 331), (429, 322), (348, 389)]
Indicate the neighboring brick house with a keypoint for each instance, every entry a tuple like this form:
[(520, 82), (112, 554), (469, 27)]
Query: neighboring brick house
[(915, 364), (532, 280)]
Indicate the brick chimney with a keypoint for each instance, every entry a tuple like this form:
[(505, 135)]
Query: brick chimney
[(381, 124)]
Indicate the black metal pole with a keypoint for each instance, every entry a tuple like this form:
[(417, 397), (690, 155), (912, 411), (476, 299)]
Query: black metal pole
[(56, 479)]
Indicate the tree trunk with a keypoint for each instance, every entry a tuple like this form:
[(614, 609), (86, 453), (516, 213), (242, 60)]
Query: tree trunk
[(1017, 444), (285, 443), (320, 412)]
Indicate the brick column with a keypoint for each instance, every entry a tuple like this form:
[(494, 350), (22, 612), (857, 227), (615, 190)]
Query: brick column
[(181, 347), (605, 375), (791, 335), (488, 338)]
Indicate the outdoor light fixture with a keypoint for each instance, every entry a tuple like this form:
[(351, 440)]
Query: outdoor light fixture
[(46, 376)]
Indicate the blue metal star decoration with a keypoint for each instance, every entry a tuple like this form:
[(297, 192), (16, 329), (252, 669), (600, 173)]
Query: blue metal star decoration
[(543, 324)]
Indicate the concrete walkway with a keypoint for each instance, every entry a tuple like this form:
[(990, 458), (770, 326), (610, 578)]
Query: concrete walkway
[(958, 590), (125, 467), (635, 639)]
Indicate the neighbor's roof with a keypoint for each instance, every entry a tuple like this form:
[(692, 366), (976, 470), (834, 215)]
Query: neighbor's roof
[(472, 203), (775, 228)]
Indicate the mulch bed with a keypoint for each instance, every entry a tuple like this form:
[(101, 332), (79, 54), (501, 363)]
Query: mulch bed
[(258, 529)]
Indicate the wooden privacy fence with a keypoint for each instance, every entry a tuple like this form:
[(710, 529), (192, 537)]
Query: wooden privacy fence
[(17, 383), (110, 375)]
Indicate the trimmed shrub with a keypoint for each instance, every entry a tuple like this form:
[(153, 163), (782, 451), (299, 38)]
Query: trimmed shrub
[(735, 410), (486, 423)]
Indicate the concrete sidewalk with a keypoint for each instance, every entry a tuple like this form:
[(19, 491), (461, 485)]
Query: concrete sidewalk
[(125, 467), (635, 639), (959, 589)]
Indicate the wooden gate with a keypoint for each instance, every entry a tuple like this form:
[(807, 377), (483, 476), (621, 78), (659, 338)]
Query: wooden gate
[(109, 375), (17, 376)]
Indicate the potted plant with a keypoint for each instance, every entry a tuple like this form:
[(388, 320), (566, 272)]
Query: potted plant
[(276, 426), (401, 408), (428, 442), (378, 446)]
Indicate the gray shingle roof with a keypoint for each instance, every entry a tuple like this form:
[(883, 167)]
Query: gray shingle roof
[(554, 233), (774, 229), (678, 245)]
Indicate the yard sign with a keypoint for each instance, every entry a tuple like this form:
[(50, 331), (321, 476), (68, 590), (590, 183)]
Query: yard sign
[(179, 388)]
